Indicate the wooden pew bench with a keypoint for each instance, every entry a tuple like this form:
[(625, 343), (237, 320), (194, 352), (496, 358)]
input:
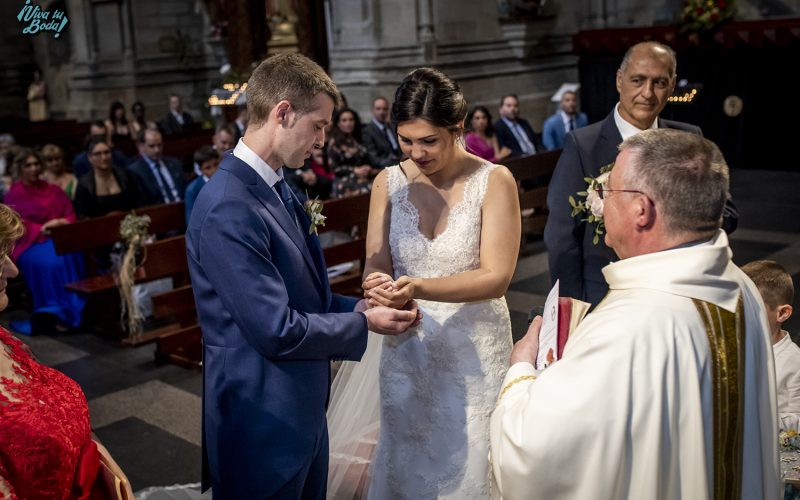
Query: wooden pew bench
[(102, 310), (532, 174)]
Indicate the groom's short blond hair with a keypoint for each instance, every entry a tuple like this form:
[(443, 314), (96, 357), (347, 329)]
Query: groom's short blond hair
[(291, 77)]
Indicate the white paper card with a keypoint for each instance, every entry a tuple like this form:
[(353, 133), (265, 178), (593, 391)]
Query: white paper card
[(548, 335)]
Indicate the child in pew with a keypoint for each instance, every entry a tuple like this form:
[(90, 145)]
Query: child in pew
[(207, 160), (777, 291)]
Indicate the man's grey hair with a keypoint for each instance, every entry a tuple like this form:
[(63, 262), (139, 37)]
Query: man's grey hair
[(673, 60), (684, 174)]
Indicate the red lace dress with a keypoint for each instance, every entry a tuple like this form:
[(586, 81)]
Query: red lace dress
[(46, 450)]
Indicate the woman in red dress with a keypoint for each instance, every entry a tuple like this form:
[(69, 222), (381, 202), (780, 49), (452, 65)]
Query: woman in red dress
[(46, 445)]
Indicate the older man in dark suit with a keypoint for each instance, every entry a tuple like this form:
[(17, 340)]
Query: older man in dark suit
[(160, 178), (514, 132), (645, 80), (379, 137), (176, 121)]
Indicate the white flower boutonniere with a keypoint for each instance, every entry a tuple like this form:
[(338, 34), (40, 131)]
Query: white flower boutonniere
[(314, 211), (592, 205)]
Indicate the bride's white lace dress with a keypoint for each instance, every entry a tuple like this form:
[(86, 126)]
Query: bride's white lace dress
[(439, 382)]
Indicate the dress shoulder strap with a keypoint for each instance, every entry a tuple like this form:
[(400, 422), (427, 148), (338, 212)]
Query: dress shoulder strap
[(477, 184)]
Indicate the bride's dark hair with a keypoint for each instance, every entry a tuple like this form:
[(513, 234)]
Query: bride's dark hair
[(431, 95)]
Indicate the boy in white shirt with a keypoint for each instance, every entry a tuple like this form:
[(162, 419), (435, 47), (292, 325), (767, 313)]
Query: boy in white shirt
[(776, 288)]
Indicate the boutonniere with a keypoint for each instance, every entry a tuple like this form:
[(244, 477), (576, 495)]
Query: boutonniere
[(591, 207), (314, 212)]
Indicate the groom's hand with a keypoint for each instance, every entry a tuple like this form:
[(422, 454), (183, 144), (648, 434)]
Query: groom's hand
[(388, 321)]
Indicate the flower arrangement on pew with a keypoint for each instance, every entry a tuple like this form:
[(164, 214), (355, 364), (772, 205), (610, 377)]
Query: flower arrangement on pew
[(133, 231)]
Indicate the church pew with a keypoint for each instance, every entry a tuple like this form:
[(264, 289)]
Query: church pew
[(349, 215), (184, 345), (532, 174), (88, 235)]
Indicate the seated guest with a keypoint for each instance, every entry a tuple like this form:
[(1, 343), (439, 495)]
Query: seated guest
[(160, 178), (513, 132), (348, 157), (564, 121), (107, 188), (8, 147), (81, 165), (176, 121), (313, 180), (481, 139), (139, 121), (666, 390), (47, 449), (380, 138), (42, 206), (207, 158), (240, 124), (55, 170), (117, 123), (224, 138), (777, 290)]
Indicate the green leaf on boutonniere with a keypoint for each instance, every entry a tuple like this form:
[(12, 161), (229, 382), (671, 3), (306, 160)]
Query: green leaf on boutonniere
[(572, 201)]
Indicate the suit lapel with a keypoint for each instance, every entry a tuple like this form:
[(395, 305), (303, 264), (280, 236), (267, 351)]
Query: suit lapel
[(270, 200), (605, 149)]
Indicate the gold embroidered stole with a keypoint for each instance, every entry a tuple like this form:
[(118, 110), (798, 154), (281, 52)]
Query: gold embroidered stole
[(725, 332)]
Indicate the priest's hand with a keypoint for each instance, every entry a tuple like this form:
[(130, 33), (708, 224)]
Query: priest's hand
[(527, 348)]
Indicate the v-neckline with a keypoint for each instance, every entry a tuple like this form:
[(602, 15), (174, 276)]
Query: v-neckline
[(450, 213)]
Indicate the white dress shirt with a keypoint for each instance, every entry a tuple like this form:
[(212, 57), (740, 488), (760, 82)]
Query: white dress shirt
[(266, 172), (626, 129)]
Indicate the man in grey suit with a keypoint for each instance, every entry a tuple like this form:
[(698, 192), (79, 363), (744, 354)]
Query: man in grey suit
[(645, 80), (379, 138)]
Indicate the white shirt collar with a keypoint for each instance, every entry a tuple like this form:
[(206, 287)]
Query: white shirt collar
[(247, 155), (378, 124), (626, 129), (566, 118)]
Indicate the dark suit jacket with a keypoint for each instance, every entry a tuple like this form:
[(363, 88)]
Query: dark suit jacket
[(573, 258), (379, 149), (264, 305), (148, 185), (505, 137), (553, 131), (169, 125)]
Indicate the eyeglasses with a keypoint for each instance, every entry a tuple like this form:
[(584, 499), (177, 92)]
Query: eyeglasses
[(601, 191), (107, 152), (32, 163)]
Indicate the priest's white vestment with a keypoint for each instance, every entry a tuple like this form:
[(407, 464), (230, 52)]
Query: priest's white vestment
[(628, 412)]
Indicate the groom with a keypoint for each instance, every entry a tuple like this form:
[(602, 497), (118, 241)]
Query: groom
[(270, 323)]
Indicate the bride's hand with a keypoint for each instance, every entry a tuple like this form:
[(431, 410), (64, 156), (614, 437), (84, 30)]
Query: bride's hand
[(374, 280), (398, 297)]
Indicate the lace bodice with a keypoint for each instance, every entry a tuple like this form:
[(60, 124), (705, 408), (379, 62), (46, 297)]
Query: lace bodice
[(456, 249), (44, 422)]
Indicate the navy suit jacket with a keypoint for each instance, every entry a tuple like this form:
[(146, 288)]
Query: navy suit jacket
[(264, 305), (505, 137), (148, 185), (553, 131), (573, 258)]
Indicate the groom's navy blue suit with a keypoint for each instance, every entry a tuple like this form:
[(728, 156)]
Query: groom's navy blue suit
[(263, 302)]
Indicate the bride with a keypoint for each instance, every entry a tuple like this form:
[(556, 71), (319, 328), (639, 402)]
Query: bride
[(444, 230)]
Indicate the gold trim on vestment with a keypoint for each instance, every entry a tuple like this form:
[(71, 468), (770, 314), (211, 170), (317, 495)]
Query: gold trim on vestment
[(725, 331)]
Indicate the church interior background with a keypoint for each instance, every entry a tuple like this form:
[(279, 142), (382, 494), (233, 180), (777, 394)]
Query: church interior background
[(148, 415)]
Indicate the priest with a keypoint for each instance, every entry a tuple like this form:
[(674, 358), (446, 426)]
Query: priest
[(666, 390)]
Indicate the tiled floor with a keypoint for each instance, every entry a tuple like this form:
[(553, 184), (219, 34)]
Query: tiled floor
[(149, 416)]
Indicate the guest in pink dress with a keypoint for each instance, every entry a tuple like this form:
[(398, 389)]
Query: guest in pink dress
[(481, 140)]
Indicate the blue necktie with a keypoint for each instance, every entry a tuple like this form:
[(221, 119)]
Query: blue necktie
[(166, 191), (285, 192)]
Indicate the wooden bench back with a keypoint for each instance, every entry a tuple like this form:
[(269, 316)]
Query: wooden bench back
[(533, 174), (98, 232), (349, 215)]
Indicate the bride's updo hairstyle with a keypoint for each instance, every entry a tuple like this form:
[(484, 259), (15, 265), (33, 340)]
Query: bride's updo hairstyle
[(431, 95)]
